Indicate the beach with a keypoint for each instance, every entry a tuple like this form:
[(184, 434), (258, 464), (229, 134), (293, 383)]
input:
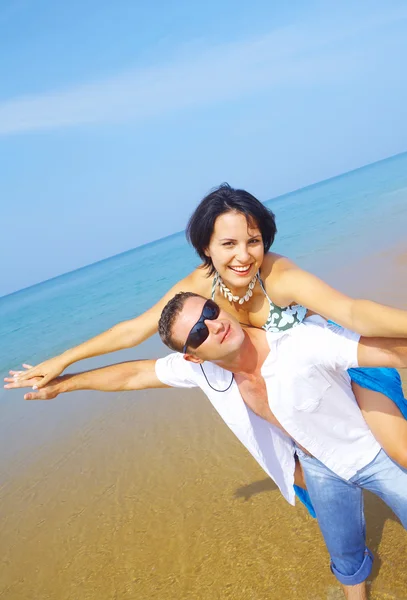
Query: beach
[(147, 495)]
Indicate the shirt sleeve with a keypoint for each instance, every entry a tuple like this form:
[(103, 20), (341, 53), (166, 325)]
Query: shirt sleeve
[(332, 346), (175, 371)]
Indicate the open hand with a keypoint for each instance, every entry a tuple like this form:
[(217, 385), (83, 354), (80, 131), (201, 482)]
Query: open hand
[(44, 372), (47, 392)]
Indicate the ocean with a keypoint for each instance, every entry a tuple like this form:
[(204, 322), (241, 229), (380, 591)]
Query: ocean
[(321, 227)]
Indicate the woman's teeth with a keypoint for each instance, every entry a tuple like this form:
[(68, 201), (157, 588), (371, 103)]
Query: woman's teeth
[(241, 269)]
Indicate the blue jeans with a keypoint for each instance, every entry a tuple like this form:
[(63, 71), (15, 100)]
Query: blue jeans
[(339, 508)]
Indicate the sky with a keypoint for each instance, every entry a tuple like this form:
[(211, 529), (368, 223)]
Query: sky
[(116, 118)]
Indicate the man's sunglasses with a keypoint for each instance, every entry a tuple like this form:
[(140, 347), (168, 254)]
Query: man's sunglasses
[(199, 331)]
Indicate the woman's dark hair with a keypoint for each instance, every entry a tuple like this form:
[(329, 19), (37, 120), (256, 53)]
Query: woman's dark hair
[(221, 200)]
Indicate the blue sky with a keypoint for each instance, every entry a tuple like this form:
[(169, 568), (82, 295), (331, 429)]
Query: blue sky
[(116, 118)]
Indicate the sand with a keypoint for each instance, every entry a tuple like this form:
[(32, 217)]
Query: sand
[(149, 496)]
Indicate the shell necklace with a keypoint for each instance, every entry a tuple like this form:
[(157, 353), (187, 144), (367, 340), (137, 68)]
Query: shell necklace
[(231, 297)]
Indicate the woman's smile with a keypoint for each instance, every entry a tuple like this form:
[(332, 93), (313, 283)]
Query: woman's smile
[(244, 270)]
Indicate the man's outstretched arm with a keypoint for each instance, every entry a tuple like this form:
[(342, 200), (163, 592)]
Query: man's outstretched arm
[(134, 375)]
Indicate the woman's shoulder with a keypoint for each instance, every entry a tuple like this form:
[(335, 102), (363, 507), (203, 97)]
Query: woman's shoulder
[(274, 265), (274, 274), (198, 281)]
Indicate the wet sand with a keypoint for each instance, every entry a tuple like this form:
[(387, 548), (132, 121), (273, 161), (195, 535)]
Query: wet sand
[(149, 496)]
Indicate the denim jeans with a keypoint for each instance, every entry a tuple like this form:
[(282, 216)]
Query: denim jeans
[(339, 508)]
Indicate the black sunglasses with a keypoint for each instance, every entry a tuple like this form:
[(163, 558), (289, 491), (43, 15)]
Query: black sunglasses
[(199, 331)]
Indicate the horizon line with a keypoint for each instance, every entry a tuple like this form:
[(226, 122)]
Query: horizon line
[(154, 241)]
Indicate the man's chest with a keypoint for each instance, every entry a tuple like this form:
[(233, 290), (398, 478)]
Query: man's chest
[(254, 394)]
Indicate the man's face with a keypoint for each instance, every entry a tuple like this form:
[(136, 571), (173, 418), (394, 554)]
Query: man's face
[(225, 333)]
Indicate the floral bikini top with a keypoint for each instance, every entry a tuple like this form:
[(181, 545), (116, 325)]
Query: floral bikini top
[(280, 318)]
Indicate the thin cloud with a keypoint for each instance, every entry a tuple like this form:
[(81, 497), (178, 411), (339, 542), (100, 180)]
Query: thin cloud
[(295, 55)]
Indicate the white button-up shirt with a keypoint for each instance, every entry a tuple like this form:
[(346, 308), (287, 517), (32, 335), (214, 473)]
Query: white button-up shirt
[(309, 392)]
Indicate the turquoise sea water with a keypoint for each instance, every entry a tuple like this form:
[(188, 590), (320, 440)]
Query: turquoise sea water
[(320, 226)]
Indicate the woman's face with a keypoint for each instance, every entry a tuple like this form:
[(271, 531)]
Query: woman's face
[(236, 249)]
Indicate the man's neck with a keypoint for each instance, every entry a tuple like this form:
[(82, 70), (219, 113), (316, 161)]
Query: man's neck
[(251, 355)]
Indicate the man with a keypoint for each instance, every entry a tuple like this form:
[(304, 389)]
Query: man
[(281, 394)]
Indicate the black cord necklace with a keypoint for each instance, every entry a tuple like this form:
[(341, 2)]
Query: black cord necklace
[(214, 389)]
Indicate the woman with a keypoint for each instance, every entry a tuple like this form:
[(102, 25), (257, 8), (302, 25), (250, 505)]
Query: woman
[(232, 232)]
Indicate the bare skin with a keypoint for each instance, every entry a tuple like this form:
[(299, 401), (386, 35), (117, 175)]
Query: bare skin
[(355, 592), (236, 243)]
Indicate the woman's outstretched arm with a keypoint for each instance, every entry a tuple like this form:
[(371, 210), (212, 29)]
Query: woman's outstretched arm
[(289, 284), (123, 335)]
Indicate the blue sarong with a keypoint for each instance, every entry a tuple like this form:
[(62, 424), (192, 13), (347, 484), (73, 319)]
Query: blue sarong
[(384, 380)]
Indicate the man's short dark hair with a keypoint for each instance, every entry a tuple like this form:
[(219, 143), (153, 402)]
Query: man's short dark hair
[(166, 323), (221, 200)]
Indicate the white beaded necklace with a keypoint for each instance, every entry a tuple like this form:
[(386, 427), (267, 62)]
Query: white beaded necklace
[(231, 297)]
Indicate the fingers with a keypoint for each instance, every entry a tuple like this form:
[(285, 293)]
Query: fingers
[(13, 383), (41, 395), (35, 396), (23, 375), (42, 381)]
